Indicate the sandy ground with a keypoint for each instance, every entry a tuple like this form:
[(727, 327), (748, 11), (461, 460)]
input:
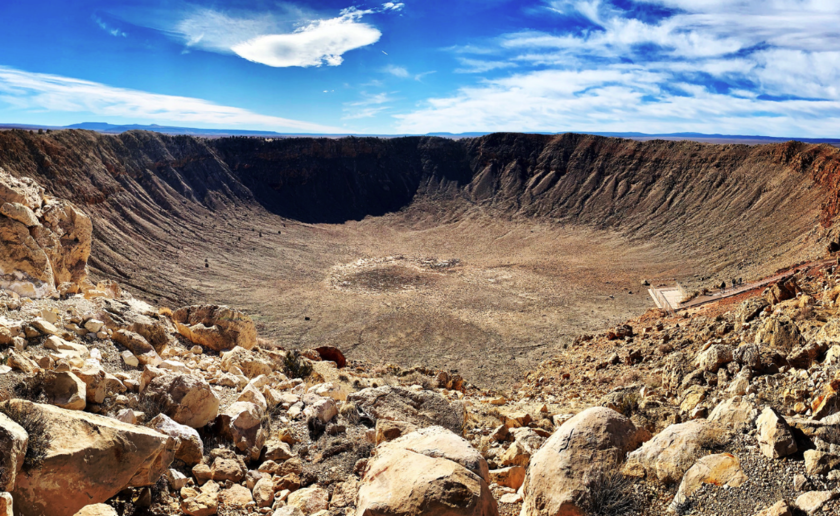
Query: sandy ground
[(467, 291)]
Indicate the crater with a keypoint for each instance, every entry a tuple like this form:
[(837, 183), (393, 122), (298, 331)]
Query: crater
[(390, 274)]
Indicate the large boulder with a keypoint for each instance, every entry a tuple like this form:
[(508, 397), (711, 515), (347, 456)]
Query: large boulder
[(251, 363), (98, 509), (672, 451), (66, 237), (423, 408), (13, 442), (782, 291), (200, 502), (775, 438), (135, 316), (779, 332), (830, 332), (186, 399), (24, 266), (309, 500), (750, 309), (737, 413), (826, 429), (87, 459), (139, 346), (586, 446), (242, 422), (436, 441), (46, 242), (713, 358), (190, 446), (217, 327), (24, 191), (98, 383), (431, 481), (718, 469), (64, 389)]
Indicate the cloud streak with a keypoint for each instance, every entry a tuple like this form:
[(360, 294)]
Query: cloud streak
[(34, 91), (107, 28), (750, 66)]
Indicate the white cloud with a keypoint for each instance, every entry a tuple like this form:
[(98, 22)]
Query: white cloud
[(215, 31), (481, 65), (727, 66), (396, 71), (370, 106), (287, 36), (35, 91), (617, 98), (107, 28)]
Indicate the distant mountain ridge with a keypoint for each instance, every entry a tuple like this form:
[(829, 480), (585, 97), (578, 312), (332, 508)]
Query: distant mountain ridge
[(106, 128)]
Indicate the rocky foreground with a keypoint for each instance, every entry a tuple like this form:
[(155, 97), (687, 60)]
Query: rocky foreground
[(109, 405)]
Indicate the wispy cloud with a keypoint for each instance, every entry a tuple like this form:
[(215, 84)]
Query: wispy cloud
[(107, 28), (403, 73), (753, 66), (396, 71), (35, 91), (617, 98), (481, 65), (370, 106)]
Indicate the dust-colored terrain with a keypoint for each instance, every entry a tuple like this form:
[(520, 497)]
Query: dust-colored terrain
[(482, 256)]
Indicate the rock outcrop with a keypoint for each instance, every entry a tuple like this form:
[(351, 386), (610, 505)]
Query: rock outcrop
[(674, 450), (216, 327), (590, 444), (186, 399), (46, 243), (412, 476), (13, 441), (419, 408), (87, 459)]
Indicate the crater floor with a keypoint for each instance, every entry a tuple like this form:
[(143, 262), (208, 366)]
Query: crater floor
[(467, 291)]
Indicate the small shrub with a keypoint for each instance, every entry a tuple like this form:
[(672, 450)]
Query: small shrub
[(265, 423), (610, 494), (35, 425), (31, 389), (160, 491), (296, 366), (152, 406), (316, 427), (350, 413), (629, 404)]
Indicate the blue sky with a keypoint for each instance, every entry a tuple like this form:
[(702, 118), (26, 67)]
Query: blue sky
[(769, 67)]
